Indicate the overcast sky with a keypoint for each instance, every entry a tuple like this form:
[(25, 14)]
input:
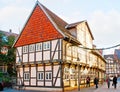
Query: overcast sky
[(103, 16)]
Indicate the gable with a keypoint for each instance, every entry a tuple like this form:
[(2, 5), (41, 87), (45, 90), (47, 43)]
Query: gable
[(79, 25), (37, 29)]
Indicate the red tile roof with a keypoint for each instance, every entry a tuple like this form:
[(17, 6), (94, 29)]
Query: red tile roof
[(43, 25), (37, 29)]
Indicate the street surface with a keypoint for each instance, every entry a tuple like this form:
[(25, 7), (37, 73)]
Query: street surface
[(101, 88)]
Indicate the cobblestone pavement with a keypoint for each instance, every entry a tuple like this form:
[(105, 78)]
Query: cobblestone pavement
[(101, 88), (104, 88)]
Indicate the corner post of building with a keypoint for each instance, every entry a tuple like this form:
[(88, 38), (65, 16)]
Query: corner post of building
[(78, 77)]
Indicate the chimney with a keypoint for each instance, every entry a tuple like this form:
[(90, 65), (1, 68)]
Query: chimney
[(10, 30)]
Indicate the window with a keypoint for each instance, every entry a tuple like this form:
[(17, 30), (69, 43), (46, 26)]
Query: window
[(25, 49), (66, 73), (31, 48), (40, 76), (48, 75), (26, 76), (46, 45), (39, 47)]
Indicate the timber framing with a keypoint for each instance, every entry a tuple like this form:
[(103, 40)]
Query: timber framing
[(48, 55)]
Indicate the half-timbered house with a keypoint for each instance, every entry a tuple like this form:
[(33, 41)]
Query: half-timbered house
[(49, 52)]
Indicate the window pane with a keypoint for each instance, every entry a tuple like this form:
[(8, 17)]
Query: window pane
[(25, 49), (50, 76), (46, 75), (41, 75), (38, 46), (26, 76), (46, 45), (31, 48)]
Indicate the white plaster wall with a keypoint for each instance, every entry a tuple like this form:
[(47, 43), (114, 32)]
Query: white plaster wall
[(21, 72), (26, 69), (18, 54), (19, 50), (33, 81), (57, 82), (55, 55), (54, 42), (19, 81), (46, 55), (60, 54), (40, 68), (38, 56), (68, 58), (25, 57), (17, 59), (47, 68), (31, 57), (48, 83), (26, 83), (55, 71), (33, 71), (40, 83)]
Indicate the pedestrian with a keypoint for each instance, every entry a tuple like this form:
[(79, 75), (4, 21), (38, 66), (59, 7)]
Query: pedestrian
[(115, 81), (108, 81), (88, 81), (96, 80)]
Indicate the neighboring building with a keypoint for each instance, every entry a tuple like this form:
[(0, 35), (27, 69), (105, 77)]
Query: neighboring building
[(117, 59), (49, 52), (113, 63), (4, 49)]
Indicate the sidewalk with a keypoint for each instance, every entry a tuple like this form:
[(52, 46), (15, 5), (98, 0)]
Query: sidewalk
[(101, 88), (88, 89), (104, 88)]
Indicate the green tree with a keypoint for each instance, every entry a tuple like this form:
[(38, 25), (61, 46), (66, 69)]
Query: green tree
[(9, 58), (2, 43)]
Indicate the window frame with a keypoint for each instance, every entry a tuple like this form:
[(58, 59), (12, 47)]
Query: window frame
[(47, 74), (39, 76), (46, 45), (32, 48), (25, 49), (26, 76), (38, 46)]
